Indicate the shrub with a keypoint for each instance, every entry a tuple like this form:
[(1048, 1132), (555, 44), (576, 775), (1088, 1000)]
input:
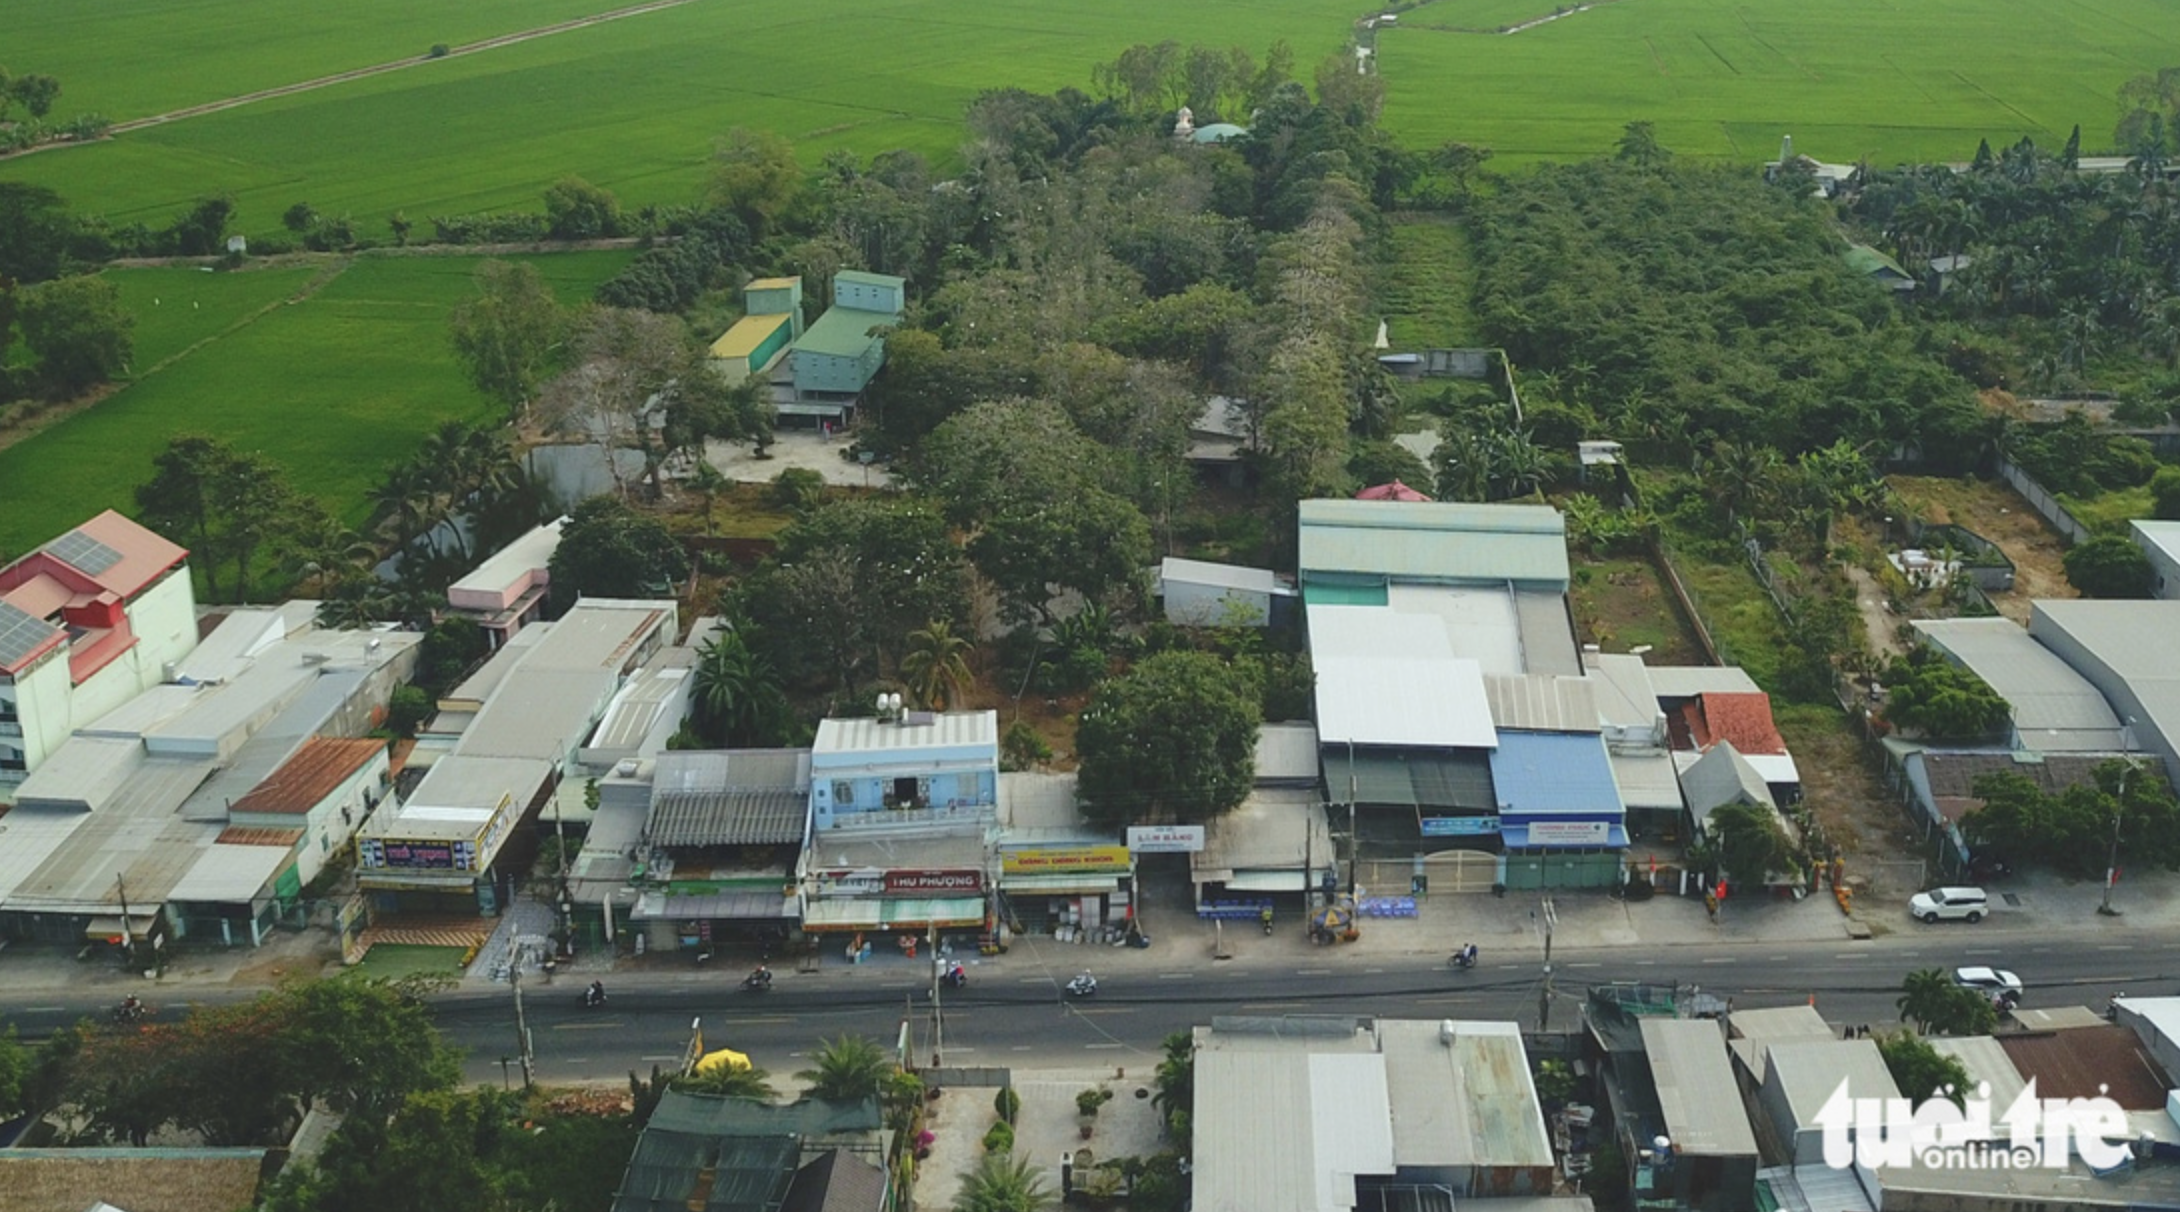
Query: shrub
[(1008, 1104), (1088, 1102), (2165, 494), (798, 488), (2110, 567), (409, 707), (1023, 749), (438, 51), (1000, 1139)]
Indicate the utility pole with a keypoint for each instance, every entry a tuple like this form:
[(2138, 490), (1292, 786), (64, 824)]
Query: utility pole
[(2119, 809), (938, 1017), (522, 1024), (1544, 995), (1354, 843)]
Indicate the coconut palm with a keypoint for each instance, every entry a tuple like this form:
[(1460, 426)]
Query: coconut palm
[(1003, 1183), (734, 1081), (936, 666), (1930, 999), (738, 697), (847, 1069)]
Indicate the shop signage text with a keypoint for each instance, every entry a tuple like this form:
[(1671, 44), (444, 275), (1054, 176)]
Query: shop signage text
[(1165, 839), (1083, 858)]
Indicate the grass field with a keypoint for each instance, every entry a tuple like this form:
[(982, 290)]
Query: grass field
[(334, 388), (1726, 78), (132, 60), (1424, 283), (636, 105), (176, 308)]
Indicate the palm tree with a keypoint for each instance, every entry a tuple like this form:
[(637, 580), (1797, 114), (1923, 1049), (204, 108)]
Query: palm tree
[(734, 1081), (936, 666), (708, 482), (848, 1069), (1926, 998), (1003, 1183), (1737, 474), (738, 697)]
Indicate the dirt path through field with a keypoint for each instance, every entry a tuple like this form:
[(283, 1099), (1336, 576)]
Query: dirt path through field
[(305, 86)]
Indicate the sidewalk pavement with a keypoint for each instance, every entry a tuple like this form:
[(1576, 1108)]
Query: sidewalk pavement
[(1499, 926)]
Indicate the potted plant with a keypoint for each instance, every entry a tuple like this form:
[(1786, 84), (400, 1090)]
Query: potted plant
[(1087, 1104)]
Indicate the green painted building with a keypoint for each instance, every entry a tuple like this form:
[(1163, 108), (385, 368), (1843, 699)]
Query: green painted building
[(840, 354)]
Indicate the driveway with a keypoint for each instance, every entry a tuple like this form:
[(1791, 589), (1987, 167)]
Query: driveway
[(795, 448)]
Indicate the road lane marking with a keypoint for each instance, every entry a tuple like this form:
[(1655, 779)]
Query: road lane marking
[(1275, 1006), (45, 1009), (588, 1026), (1844, 955), (1982, 951), (1176, 976), (2117, 947), (1034, 980), (1373, 972), (1722, 959), (1019, 1048), (1313, 972), (659, 1058), (1597, 964), (1095, 1047)]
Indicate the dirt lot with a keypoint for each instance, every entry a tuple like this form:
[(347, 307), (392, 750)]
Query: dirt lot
[(1994, 510), (1868, 825)]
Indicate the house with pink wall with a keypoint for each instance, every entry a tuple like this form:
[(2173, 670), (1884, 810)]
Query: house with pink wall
[(507, 592)]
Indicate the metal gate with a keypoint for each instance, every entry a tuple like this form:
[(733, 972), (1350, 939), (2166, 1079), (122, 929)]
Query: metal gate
[(1447, 871)]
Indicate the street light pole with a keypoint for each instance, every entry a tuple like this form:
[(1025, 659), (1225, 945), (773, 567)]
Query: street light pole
[(2119, 809)]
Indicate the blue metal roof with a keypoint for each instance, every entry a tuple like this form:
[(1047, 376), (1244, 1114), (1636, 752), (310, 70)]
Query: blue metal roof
[(1554, 774)]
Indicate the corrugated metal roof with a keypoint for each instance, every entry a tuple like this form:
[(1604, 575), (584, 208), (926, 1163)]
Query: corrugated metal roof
[(1986, 1061), (1543, 702), (1288, 1131), (1386, 678), (1480, 621), (1219, 576), (1808, 1073), (1689, 1067), (1547, 633), (746, 334), (229, 874), (304, 780), (1434, 540), (1646, 779), (2133, 642), (513, 563), (844, 332), (1756, 1030), (2055, 709), (1273, 829), (1553, 773), (729, 798), (249, 835), (1469, 1102), (2164, 536), (1625, 697), (921, 730), (1722, 776)]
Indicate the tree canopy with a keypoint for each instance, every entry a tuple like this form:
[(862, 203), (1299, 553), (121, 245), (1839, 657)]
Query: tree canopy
[(2071, 829), (610, 550), (1173, 739), (2110, 566), (1943, 701)]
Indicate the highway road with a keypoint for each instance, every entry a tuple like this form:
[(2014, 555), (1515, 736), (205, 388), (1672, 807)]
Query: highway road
[(1013, 1012)]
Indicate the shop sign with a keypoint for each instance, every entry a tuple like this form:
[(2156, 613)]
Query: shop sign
[(933, 883), (420, 856), (867, 881), (1569, 833), (1054, 862), (1165, 839), (1460, 826)]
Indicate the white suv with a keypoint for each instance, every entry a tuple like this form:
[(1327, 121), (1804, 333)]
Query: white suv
[(1965, 904)]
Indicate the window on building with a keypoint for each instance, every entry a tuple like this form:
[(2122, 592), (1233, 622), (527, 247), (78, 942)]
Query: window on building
[(843, 794)]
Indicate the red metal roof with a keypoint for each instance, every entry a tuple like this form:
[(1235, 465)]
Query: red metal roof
[(246, 835), (303, 781), (1744, 719), (1395, 491)]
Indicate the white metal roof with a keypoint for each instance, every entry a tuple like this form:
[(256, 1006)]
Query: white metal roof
[(1756, 1030), (513, 562), (229, 873), (1464, 1102), (1646, 778), (1385, 678), (1808, 1072), (1626, 701), (1688, 681), (1986, 1060), (1288, 1131), (1235, 577), (1689, 1067), (1274, 829), (1543, 702), (2164, 536), (922, 730), (2055, 709), (1434, 540), (1480, 622)]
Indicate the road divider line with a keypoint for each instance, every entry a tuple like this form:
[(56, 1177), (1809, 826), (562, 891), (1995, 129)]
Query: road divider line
[(1594, 964), (1176, 976), (659, 1058), (1847, 955), (588, 1026), (1096, 1047), (1313, 972), (1722, 959)]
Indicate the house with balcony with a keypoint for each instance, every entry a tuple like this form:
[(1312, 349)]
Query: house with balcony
[(507, 591), (87, 622), (903, 820)]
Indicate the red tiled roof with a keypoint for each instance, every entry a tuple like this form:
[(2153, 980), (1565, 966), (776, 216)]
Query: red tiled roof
[(247, 835), (1744, 719), (303, 781)]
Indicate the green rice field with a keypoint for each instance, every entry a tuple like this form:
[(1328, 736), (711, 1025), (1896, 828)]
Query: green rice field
[(334, 387), (634, 105), (1895, 82)]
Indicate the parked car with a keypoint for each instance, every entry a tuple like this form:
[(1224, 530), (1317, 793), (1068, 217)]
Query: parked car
[(1964, 904), (1995, 983)]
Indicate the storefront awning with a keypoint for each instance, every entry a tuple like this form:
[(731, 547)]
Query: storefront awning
[(1061, 884), (110, 926), (712, 906), (893, 914), (1266, 881)]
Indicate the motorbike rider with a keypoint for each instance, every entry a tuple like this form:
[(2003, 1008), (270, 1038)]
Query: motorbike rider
[(1265, 915), (595, 995), (759, 978)]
